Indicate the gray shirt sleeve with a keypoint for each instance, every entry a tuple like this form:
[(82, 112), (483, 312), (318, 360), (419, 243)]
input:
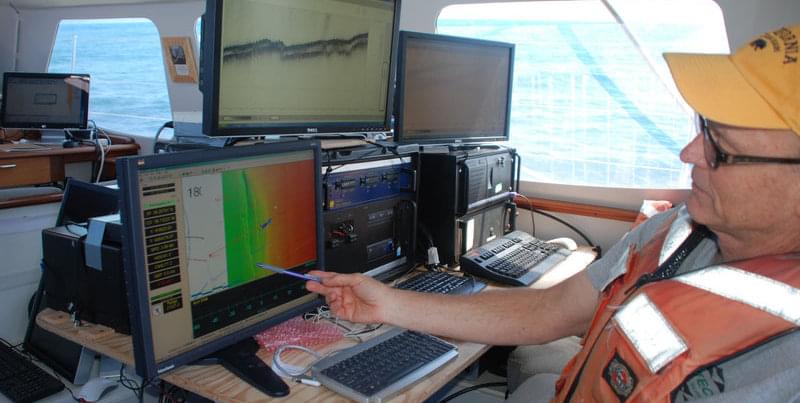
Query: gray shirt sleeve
[(605, 270)]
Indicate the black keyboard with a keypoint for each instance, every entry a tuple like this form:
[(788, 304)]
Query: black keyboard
[(441, 283), (516, 258), (21, 380), (383, 366)]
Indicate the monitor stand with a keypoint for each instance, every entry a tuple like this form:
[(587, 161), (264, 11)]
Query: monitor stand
[(241, 359)]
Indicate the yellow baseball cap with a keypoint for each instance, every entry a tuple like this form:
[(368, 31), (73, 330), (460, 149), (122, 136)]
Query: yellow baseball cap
[(758, 86)]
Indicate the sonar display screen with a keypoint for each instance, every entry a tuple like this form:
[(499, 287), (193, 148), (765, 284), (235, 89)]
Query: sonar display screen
[(206, 226)]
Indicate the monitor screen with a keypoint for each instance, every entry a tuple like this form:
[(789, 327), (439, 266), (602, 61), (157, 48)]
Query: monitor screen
[(298, 66), (452, 89), (195, 225), (45, 101)]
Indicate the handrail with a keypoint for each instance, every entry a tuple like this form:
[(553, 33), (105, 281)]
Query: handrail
[(582, 209)]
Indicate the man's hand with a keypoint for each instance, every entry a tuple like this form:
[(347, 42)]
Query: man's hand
[(353, 297)]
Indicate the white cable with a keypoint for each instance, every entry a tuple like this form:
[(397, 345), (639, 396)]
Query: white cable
[(288, 370), (323, 313), (102, 152)]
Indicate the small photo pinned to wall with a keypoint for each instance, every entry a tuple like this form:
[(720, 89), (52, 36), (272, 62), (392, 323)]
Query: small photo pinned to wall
[(179, 58)]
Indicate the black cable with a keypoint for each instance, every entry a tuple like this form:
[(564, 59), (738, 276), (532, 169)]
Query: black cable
[(166, 125), (518, 162), (568, 225), (131, 384), (472, 388), (383, 147), (530, 209)]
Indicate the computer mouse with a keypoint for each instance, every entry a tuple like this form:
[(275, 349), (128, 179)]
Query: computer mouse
[(565, 242), (92, 390)]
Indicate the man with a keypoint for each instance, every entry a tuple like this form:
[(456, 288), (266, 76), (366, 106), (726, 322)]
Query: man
[(700, 302)]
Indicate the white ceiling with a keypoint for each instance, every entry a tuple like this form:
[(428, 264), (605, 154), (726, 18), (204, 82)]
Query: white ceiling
[(22, 4)]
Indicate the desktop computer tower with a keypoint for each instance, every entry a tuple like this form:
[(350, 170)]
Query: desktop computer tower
[(370, 209), (465, 197)]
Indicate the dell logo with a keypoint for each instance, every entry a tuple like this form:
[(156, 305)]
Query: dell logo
[(311, 130)]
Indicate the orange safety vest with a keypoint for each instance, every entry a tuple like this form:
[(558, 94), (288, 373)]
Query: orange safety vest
[(644, 342)]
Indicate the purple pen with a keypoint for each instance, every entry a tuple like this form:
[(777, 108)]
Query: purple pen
[(279, 270)]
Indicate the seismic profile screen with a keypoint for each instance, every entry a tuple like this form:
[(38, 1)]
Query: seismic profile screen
[(206, 226), (304, 61)]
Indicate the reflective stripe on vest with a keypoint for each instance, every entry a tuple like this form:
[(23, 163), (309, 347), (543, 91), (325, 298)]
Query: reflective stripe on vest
[(649, 332), (678, 232), (764, 293), (653, 336)]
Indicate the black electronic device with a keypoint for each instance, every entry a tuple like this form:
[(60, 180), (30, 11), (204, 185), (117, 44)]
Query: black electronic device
[(91, 291), (467, 202), (82, 261), (516, 258), (70, 360), (195, 224), (370, 209), (300, 67), (454, 235), (452, 89)]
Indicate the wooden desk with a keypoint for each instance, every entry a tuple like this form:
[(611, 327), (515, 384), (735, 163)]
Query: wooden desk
[(217, 383), (25, 168)]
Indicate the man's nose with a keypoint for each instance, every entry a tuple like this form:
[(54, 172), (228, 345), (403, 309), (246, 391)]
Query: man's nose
[(694, 152)]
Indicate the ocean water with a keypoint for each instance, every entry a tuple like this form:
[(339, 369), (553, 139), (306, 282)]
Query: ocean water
[(587, 108)]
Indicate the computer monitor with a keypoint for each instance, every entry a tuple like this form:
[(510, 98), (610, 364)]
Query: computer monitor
[(194, 226), (45, 101), (452, 89), (84, 200), (274, 67)]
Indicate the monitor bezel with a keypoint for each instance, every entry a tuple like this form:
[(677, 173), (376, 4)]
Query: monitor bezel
[(84, 123), (209, 86), (446, 138), (134, 261)]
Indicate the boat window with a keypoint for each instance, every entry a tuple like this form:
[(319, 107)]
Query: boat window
[(123, 56), (593, 102)]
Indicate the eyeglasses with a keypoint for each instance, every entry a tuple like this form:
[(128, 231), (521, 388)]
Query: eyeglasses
[(715, 156)]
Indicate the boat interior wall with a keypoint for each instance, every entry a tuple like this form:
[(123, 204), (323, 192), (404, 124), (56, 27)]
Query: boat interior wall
[(21, 251), (8, 30), (744, 19)]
